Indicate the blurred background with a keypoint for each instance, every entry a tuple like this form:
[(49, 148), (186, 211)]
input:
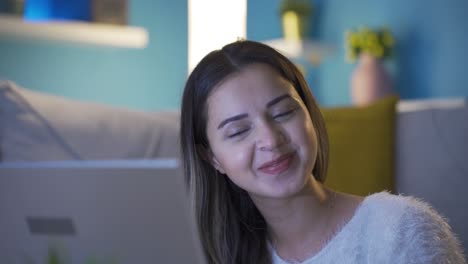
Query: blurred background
[(428, 59)]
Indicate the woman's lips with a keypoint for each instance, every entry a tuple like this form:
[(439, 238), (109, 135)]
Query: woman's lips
[(278, 165)]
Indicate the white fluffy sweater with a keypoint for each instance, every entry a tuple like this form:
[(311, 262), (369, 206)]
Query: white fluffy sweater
[(391, 229)]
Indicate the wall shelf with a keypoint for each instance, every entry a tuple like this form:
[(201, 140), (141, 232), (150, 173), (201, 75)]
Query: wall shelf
[(74, 32), (312, 51)]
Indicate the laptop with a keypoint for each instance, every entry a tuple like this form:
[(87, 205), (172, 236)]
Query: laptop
[(83, 212)]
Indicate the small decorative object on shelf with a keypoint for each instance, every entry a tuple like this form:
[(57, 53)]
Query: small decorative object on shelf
[(370, 80), (56, 10), (296, 18), (296, 43), (109, 11), (15, 7)]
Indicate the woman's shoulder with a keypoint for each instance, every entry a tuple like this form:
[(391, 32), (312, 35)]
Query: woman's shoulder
[(403, 211), (385, 198), (419, 230), (385, 205)]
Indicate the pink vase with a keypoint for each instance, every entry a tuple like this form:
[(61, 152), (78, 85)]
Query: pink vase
[(369, 81)]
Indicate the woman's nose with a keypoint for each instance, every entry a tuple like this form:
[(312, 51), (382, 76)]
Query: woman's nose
[(270, 136)]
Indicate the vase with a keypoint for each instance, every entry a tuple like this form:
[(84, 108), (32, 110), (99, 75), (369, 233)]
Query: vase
[(369, 81)]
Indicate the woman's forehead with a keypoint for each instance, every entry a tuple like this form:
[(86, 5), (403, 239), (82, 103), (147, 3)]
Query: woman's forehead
[(256, 80), (248, 90)]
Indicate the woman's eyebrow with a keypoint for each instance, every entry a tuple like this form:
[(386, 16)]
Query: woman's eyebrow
[(241, 116), (277, 100), (231, 119)]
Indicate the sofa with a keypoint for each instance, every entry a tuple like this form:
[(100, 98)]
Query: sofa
[(42, 127), (410, 147)]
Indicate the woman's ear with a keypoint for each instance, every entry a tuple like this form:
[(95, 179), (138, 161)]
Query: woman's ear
[(207, 155), (216, 164)]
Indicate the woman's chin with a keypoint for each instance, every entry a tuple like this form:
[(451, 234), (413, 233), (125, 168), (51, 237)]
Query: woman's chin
[(281, 190)]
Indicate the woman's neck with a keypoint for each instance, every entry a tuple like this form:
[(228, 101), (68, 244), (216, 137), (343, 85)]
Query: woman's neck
[(300, 225)]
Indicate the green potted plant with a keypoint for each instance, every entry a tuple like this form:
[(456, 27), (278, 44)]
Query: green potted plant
[(296, 17)]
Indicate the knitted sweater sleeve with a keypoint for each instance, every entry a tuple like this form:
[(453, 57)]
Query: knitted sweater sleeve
[(425, 237)]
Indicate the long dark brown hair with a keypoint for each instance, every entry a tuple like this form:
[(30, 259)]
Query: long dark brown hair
[(231, 228)]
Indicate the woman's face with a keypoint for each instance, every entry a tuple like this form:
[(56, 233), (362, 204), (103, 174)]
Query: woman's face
[(260, 133)]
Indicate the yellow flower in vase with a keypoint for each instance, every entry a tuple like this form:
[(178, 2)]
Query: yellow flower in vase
[(376, 42)]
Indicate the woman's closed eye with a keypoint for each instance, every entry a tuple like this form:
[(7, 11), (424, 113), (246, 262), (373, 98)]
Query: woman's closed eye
[(237, 132), (285, 115)]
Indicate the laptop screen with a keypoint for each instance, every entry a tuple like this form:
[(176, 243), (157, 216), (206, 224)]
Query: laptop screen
[(96, 212)]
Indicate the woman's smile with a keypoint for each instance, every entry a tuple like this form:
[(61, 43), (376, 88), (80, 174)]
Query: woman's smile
[(277, 165)]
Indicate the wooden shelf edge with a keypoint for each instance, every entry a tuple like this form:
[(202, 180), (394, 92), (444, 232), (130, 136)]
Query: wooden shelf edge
[(308, 49), (75, 32)]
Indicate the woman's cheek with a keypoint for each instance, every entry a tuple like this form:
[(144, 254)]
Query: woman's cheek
[(242, 157)]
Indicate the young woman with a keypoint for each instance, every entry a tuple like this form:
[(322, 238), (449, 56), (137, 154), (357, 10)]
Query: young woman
[(255, 155)]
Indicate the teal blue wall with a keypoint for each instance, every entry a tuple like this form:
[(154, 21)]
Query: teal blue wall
[(147, 79), (429, 62), (430, 59)]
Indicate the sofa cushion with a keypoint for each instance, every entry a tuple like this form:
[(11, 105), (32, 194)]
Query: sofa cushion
[(36, 126), (361, 147), (432, 157)]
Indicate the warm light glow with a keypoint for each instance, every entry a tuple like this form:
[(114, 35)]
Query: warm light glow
[(212, 24)]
